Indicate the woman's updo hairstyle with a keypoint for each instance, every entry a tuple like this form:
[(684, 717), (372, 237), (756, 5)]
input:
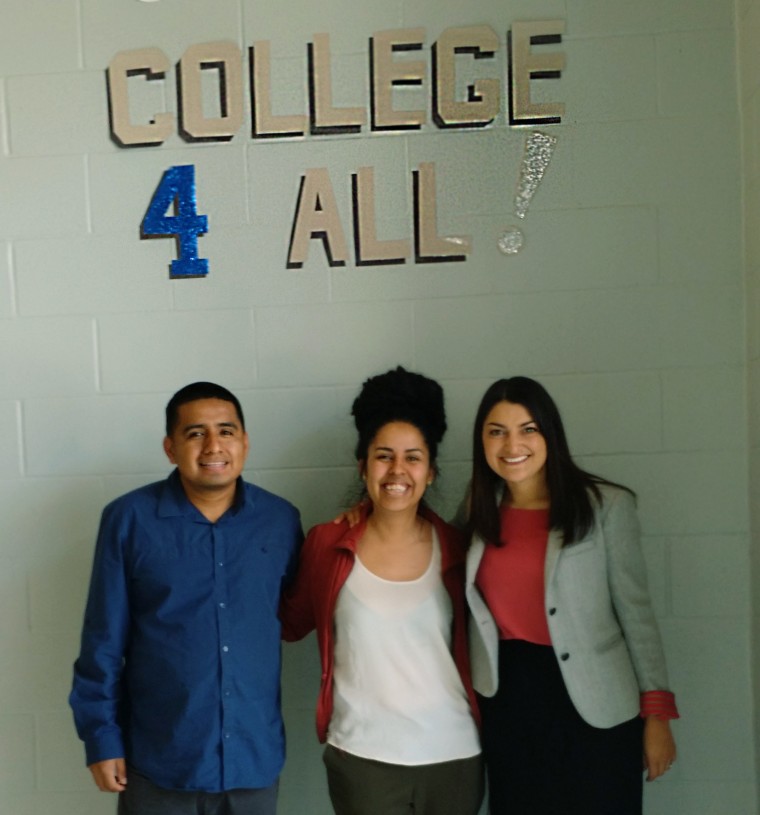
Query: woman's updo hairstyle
[(399, 396)]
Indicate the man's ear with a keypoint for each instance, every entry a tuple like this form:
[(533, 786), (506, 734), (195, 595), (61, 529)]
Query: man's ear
[(169, 449)]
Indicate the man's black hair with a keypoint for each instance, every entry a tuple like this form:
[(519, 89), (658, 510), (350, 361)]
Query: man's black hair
[(194, 392)]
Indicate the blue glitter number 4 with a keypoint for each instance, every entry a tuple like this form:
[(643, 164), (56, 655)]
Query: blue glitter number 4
[(177, 189)]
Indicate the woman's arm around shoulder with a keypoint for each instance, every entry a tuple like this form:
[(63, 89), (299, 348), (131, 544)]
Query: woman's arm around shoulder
[(328, 547), (296, 603)]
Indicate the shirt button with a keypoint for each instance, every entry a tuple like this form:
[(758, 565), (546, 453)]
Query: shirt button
[(552, 612), (226, 735), (226, 693), (565, 657), (222, 605), (221, 563), (225, 648)]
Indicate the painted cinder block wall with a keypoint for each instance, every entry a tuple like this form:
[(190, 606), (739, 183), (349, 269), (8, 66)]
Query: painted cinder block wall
[(628, 302)]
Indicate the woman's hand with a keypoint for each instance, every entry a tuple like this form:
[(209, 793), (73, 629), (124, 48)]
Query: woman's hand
[(353, 514), (659, 747)]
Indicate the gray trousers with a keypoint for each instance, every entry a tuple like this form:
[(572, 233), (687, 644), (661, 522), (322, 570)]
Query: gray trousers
[(360, 786), (143, 797)]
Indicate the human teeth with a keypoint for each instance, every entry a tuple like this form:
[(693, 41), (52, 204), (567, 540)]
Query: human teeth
[(517, 460), (395, 487)]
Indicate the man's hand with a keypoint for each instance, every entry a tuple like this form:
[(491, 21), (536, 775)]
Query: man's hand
[(353, 514), (110, 775)]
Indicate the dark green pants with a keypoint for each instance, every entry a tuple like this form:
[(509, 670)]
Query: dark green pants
[(360, 786)]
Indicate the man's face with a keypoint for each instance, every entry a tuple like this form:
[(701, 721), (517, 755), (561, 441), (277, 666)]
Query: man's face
[(208, 445)]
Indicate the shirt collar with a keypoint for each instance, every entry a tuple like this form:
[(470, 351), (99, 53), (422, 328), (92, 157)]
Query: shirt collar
[(174, 500)]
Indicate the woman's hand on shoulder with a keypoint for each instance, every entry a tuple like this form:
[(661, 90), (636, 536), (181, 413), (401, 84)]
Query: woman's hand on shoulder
[(659, 747)]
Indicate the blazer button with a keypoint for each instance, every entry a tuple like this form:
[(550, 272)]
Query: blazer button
[(564, 657), (552, 612)]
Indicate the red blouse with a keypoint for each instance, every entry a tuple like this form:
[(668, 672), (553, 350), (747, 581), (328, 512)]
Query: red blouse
[(511, 576), (511, 579)]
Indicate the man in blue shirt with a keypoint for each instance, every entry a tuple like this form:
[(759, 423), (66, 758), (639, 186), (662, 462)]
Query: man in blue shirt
[(176, 691)]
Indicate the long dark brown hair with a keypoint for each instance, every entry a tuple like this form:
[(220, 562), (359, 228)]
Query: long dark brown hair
[(570, 488)]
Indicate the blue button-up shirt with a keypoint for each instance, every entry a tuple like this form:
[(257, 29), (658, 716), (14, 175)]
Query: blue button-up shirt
[(179, 669)]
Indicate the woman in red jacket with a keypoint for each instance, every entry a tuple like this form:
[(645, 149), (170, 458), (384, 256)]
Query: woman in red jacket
[(396, 704)]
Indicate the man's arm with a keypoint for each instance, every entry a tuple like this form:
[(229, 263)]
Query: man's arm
[(96, 691)]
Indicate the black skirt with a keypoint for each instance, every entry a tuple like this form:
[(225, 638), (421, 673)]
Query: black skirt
[(542, 758)]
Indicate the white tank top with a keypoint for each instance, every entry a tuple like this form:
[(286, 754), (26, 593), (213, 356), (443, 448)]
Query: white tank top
[(397, 694)]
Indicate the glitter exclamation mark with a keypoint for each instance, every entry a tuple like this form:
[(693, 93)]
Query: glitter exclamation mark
[(538, 153)]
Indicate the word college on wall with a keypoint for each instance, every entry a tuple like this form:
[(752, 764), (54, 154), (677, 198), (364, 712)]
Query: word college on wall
[(394, 62)]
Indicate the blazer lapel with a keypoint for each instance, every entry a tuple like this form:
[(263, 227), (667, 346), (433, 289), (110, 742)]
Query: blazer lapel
[(553, 547), (474, 556)]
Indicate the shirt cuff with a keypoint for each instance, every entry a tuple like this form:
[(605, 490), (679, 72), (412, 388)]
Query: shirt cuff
[(104, 746), (658, 703)]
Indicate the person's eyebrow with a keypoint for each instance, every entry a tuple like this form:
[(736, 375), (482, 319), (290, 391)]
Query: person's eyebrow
[(201, 425)]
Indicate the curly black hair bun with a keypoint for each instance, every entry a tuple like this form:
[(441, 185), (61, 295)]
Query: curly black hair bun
[(399, 396)]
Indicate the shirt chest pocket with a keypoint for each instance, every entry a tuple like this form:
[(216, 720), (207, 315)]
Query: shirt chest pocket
[(167, 566), (167, 549)]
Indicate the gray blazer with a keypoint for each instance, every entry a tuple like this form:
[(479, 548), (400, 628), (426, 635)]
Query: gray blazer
[(600, 618)]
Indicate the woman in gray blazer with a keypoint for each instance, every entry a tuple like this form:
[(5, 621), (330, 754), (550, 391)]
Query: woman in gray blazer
[(565, 649)]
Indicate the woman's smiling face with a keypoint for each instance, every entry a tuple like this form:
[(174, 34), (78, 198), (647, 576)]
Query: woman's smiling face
[(397, 470), (514, 447)]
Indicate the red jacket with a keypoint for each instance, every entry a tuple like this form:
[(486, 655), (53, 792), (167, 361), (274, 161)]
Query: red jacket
[(327, 558)]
